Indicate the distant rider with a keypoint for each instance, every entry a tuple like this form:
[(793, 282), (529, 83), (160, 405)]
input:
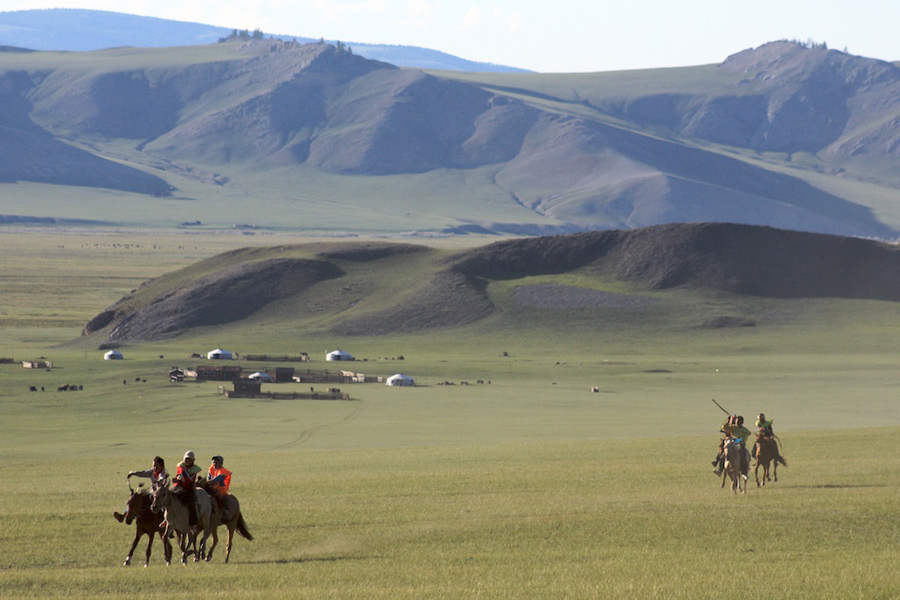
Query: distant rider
[(739, 431), (726, 431), (764, 430)]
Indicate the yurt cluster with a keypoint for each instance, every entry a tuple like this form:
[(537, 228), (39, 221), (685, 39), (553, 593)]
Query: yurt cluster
[(221, 354)]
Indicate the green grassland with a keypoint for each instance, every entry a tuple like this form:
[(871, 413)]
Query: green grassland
[(526, 485)]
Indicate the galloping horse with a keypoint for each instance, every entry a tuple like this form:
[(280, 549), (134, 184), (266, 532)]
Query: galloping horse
[(236, 521), (146, 522), (766, 452), (734, 463), (178, 521)]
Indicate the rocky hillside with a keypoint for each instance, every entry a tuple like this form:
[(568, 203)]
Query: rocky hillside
[(340, 282), (788, 98)]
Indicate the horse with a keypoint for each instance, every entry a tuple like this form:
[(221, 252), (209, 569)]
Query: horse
[(236, 521), (178, 521), (147, 522), (766, 453), (734, 466)]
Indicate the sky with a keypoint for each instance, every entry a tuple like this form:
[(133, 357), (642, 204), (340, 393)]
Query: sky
[(546, 35)]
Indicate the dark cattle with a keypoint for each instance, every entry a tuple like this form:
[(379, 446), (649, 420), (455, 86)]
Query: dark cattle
[(32, 389)]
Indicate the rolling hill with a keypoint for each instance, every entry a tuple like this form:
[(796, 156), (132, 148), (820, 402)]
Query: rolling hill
[(369, 288), (80, 30), (312, 137)]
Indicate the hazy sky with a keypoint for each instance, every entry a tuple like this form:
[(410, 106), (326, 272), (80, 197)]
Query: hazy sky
[(546, 35)]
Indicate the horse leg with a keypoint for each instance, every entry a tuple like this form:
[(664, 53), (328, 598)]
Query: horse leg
[(202, 547), (756, 473), (167, 547), (230, 538), (215, 542), (137, 537), (776, 470), (150, 535)]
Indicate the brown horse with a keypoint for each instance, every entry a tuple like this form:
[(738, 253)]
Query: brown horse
[(146, 523), (734, 466), (178, 521), (766, 453), (235, 521)]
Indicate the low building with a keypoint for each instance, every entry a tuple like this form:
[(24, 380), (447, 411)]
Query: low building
[(218, 373)]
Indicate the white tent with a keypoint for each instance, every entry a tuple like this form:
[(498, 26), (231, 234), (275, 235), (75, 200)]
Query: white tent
[(219, 354), (400, 380), (339, 355), (113, 355), (260, 376)]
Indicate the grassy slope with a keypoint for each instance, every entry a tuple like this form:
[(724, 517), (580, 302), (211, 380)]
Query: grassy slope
[(529, 486)]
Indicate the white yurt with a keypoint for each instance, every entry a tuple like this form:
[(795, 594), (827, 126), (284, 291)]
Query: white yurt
[(113, 355), (219, 354), (260, 376), (339, 355), (400, 380)]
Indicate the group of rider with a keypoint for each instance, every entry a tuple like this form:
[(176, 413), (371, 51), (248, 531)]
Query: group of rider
[(188, 477), (733, 429)]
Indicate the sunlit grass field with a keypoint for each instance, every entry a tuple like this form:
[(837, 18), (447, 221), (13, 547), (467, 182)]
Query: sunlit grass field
[(527, 485)]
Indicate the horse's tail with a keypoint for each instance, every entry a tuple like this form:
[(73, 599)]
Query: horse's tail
[(781, 459), (242, 528)]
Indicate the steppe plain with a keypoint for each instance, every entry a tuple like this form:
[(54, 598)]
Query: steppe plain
[(528, 486)]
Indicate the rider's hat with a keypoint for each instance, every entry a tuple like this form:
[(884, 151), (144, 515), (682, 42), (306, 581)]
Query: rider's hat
[(218, 458), (188, 454)]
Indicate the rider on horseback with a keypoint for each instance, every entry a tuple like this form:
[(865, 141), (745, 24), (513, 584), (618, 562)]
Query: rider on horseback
[(726, 431), (185, 484), (157, 475), (764, 429), (219, 478), (733, 428)]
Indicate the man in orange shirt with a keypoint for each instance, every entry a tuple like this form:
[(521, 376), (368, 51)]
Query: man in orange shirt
[(219, 479)]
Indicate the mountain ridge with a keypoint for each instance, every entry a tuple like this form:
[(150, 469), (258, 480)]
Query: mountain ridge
[(227, 113)]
